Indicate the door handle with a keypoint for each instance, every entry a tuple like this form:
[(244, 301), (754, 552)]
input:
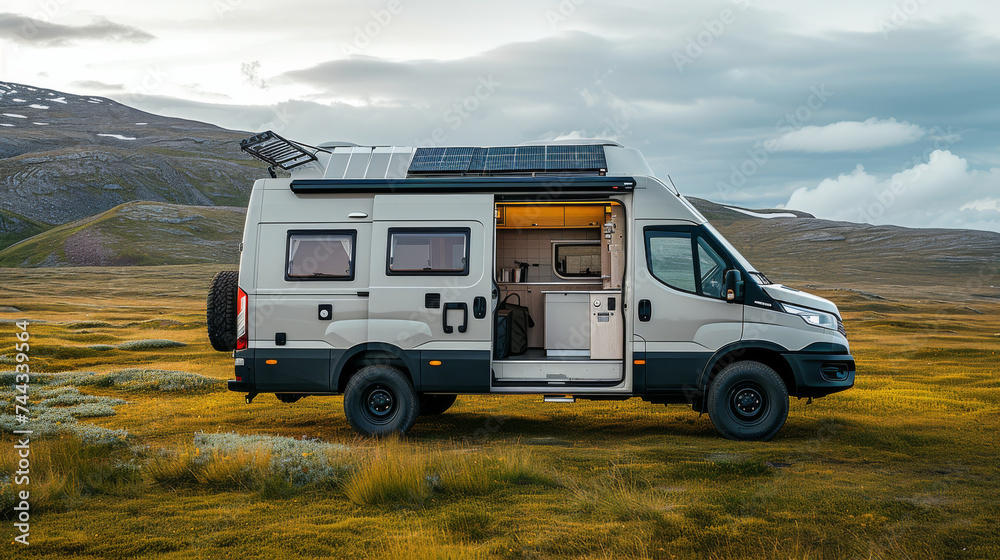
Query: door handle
[(448, 329), (479, 307), (645, 310)]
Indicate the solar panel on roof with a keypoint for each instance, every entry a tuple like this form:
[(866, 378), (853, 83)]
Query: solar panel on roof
[(572, 158), (530, 158), (441, 160), (524, 159), (500, 159)]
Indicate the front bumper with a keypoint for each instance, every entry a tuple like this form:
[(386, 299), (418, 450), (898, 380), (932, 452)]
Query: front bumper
[(818, 375)]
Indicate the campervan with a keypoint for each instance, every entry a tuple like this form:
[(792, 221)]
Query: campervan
[(403, 277)]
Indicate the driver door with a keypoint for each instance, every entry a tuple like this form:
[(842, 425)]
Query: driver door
[(681, 313)]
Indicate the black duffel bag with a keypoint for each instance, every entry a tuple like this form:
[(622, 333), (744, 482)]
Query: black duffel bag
[(520, 322)]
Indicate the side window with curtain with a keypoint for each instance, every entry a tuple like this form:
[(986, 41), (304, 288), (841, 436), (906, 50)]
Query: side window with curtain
[(434, 251), (320, 255)]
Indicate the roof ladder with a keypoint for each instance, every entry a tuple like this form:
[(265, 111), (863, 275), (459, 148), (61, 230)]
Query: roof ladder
[(277, 151)]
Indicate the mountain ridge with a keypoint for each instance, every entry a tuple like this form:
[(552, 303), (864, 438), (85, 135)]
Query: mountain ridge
[(78, 170), (64, 157)]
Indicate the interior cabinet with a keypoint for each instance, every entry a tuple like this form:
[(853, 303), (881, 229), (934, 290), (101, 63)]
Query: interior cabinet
[(550, 216), (583, 216), (533, 216)]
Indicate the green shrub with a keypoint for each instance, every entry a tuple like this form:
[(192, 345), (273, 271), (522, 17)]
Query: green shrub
[(274, 466), (137, 380), (150, 344)]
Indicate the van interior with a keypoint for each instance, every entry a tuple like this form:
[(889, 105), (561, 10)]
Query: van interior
[(563, 261)]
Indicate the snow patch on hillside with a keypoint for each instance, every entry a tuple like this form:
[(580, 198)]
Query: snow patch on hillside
[(760, 215), (118, 136)]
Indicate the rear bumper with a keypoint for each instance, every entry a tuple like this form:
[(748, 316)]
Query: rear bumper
[(239, 386), (243, 373), (818, 375)]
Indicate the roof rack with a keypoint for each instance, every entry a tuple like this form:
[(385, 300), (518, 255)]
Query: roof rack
[(277, 151), (549, 185)]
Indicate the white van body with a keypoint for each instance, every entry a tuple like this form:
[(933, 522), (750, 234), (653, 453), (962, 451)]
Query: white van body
[(394, 260)]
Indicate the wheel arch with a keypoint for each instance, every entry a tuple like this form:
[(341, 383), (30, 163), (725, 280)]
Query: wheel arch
[(370, 353), (767, 353)]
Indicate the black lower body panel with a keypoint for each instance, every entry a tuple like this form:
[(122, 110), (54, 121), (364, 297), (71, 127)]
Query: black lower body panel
[(455, 371), (818, 375)]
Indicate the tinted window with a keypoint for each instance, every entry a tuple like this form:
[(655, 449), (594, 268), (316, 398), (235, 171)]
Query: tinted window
[(696, 267), (428, 251), (670, 260), (320, 255)]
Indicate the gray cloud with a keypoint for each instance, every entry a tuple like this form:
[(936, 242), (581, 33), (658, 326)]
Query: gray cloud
[(98, 85), (705, 123), (30, 31)]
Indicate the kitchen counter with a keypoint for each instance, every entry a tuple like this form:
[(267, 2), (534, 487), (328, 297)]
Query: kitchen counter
[(584, 324)]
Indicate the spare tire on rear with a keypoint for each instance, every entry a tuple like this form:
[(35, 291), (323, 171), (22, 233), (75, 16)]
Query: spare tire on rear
[(221, 310)]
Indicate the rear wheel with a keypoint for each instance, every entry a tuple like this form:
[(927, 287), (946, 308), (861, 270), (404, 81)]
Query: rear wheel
[(220, 310), (379, 400), (432, 405), (748, 401)]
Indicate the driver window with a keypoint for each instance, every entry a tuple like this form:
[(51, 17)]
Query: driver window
[(677, 262), (669, 258)]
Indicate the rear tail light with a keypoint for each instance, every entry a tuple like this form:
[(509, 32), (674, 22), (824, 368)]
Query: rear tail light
[(241, 319)]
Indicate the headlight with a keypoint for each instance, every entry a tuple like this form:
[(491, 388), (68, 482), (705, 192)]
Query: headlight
[(813, 317)]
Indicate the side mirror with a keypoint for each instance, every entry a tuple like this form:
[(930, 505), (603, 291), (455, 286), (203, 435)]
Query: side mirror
[(734, 286)]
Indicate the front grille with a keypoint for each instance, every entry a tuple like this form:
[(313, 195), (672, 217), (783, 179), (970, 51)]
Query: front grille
[(841, 329)]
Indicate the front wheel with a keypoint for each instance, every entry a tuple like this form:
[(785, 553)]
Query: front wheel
[(748, 401), (379, 400)]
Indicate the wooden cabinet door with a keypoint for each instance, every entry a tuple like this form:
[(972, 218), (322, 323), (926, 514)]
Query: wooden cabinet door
[(533, 216), (584, 216)]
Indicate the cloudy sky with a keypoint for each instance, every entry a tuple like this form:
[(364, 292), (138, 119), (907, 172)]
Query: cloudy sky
[(884, 111)]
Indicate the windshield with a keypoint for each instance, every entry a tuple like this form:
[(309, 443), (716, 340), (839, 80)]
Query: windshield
[(757, 276)]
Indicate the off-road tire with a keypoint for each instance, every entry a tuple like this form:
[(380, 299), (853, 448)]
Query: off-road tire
[(432, 405), (220, 310), (748, 401), (379, 400)]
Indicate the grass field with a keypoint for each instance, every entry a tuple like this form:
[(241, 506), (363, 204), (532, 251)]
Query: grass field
[(151, 457)]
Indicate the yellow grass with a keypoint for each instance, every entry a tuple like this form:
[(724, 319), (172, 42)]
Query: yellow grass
[(901, 466)]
